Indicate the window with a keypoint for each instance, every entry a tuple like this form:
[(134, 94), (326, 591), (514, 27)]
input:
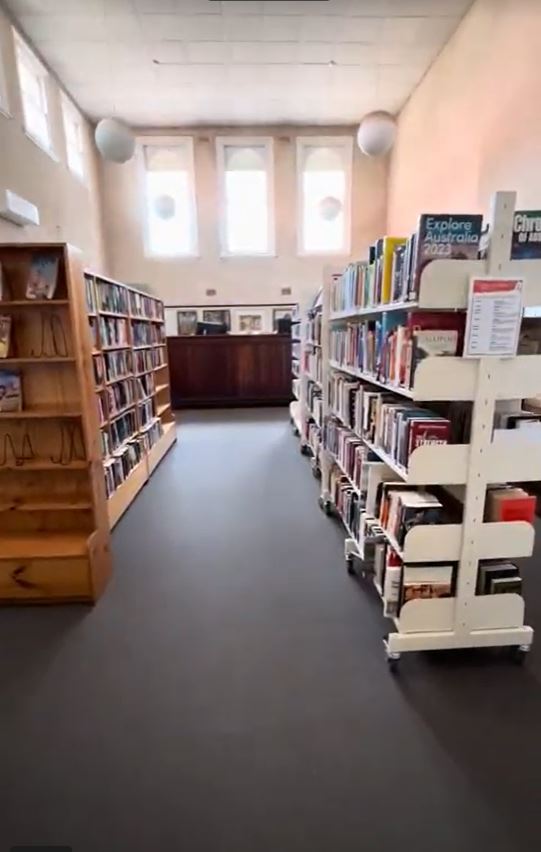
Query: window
[(324, 195), (245, 171), (33, 83), (170, 211), (74, 132)]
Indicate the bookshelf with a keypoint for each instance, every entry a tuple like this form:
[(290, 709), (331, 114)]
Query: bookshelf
[(132, 390), (466, 618), (305, 411), (54, 530)]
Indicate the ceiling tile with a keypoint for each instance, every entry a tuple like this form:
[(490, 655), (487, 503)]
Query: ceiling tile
[(255, 61)]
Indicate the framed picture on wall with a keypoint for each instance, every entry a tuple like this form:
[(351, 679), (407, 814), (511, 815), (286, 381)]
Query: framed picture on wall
[(186, 322), (250, 322), (279, 314), (219, 315)]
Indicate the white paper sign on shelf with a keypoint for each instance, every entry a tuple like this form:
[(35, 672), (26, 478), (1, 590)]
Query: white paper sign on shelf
[(495, 307)]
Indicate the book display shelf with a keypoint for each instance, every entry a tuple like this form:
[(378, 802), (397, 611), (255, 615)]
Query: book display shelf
[(296, 348), (463, 552), (132, 390), (306, 410), (54, 529)]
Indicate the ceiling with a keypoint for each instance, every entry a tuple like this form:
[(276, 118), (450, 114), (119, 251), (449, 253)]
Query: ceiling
[(174, 62)]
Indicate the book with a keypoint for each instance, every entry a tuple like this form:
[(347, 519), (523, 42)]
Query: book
[(428, 431), (445, 236), (489, 571), (428, 581), (391, 584), (397, 271), (416, 508), (5, 335), (42, 278), (386, 255), (505, 586), (430, 343), (526, 237), (509, 504), (10, 391)]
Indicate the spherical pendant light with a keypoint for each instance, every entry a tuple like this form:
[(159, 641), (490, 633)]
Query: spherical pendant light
[(330, 208), (376, 134), (114, 140), (165, 206)]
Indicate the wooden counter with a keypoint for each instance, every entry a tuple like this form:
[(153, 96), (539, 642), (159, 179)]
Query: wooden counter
[(230, 370)]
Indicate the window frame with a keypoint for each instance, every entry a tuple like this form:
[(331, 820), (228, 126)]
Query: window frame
[(68, 110), (5, 107), (24, 53), (345, 143), (167, 142), (267, 142)]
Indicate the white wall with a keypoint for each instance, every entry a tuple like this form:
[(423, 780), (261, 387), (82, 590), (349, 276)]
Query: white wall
[(236, 280), (69, 209)]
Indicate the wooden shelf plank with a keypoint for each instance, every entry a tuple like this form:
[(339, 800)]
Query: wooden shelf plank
[(38, 413), (33, 303), (47, 506), (41, 361), (45, 465), (115, 346), (43, 545), (161, 409), (113, 314)]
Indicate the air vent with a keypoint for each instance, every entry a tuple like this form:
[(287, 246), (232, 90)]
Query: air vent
[(285, 291), (210, 292)]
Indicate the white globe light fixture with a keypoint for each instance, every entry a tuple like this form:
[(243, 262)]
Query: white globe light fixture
[(165, 206), (376, 134), (114, 140), (330, 207)]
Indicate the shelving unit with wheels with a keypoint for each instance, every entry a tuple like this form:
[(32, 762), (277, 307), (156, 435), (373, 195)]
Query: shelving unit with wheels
[(295, 407), (133, 396), (466, 619), (54, 530)]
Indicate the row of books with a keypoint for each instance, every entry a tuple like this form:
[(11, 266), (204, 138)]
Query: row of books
[(395, 264), (312, 364), (119, 395), (145, 412), (146, 333), (314, 402), (145, 306), (102, 410), (403, 507), (123, 428), (346, 502), (112, 297), (148, 359), (312, 437), (117, 364), (90, 295), (113, 331), (313, 328), (144, 385), (391, 347), (400, 583), (151, 434), (118, 467), (395, 426)]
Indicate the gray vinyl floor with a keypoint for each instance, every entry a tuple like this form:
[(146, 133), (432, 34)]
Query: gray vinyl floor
[(230, 693)]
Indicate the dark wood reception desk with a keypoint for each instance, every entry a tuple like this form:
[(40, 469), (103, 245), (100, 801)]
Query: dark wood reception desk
[(230, 370)]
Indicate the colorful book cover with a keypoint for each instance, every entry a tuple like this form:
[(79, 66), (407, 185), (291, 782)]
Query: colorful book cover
[(397, 272), (42, 277), (426, 431), (386, 259), (445, 236), (10, 391), (5, 335), (430, 343), (526, 238)]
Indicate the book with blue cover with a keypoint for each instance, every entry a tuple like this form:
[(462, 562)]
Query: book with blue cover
[(526, 239)]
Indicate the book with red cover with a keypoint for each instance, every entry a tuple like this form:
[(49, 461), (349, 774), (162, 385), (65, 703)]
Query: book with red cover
[(511, 504), (428, 431)]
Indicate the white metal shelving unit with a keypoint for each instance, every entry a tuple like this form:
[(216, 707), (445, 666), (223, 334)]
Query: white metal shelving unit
[(295, 408), (466, 620)]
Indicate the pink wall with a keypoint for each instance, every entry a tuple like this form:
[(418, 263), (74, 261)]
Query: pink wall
[(69, 208), (473, 126)]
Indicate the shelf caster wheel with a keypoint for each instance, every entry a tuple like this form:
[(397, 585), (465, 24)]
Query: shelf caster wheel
[(520, 652), (325, 505), (305, 451), (350, 566), (392, 662)]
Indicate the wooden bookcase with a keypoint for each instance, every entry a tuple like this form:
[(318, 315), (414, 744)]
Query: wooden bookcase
[(136, 322), (54, 528)]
